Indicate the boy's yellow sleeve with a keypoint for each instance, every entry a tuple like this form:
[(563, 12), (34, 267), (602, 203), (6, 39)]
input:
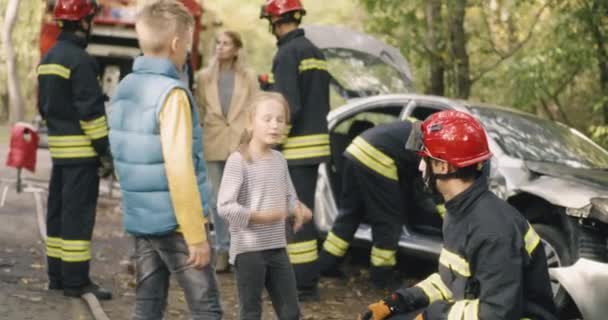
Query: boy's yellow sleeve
[(176, 139)]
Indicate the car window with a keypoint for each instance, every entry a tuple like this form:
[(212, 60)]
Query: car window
[(531, 138), (421, 112), (368, 119)]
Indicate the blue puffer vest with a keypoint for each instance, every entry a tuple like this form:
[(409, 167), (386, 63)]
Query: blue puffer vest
[(136, 147)]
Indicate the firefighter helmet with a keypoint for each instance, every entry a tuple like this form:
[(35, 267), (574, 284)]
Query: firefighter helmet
[(452, 136), (74, 10), (278, 8)]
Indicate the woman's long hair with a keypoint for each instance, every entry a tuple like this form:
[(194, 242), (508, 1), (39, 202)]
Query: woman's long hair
[(257, 100)]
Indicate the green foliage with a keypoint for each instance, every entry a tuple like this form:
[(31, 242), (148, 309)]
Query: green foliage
[(537, 56)]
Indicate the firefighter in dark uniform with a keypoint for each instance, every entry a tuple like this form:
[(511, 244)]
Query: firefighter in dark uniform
[(379, 179), (299, 72), (72, 104), (492, 265)]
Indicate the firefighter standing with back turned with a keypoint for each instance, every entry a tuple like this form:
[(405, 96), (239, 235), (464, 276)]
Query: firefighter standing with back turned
[(299, 72), (72, 104), (492, 264)]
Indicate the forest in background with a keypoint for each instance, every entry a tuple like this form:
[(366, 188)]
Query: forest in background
[(548, 57)]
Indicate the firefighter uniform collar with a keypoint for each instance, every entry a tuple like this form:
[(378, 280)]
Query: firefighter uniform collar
[(153, 65), (290, 36), (460, 205), (73, 38)]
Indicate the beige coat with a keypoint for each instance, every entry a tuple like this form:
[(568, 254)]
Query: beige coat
[(221, 134)]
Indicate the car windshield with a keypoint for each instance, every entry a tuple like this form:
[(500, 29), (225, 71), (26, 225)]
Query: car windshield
[(361, 74), (534, 139)]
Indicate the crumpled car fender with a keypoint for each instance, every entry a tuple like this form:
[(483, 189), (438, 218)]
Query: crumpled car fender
[(587, 284)]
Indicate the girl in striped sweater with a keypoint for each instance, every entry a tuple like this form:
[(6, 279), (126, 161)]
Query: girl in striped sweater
[(256, 198)]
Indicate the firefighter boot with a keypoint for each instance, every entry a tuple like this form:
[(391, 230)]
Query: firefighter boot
[(329, 265), (384, 278), (97, 291)]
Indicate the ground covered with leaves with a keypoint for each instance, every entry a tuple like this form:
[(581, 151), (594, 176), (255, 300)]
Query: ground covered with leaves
[(23, 293)]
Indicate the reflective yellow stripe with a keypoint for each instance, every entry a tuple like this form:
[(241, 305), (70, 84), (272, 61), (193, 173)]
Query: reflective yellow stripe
[(53, 247), (441, 210), (435, 289), (99, 133), (54, 69), (373, 158), (306, 153), (75, 256), (53, 242), (69, 141), (457, 310), (531, 239), (312, 64), (302, 252), (76, 244), (471, 311), (96, 128), (335, 245), (75, 250), (383, 257), (454, 262), (301, 246), (53, 253), (95, 123), (73, 152), (307, 141)]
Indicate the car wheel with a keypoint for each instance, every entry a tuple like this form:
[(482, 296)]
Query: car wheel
[(558, 255)]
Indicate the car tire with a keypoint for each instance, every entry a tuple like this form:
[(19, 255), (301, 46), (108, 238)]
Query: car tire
[(558, 255)]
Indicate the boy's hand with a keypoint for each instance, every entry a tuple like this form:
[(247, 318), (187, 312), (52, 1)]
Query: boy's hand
[(198, 255), (301, 216)]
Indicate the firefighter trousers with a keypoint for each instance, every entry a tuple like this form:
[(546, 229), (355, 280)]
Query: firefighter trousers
[(376, 199), (302, 246), (73, 192)]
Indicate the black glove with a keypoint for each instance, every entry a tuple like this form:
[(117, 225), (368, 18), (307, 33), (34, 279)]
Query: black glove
[(106, 167)]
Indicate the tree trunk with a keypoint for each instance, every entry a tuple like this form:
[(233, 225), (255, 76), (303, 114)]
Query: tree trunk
[(14, 89), (458, 48), (436, 45), (594, 21)]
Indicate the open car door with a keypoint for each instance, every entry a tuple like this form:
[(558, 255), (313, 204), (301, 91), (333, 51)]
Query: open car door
[(360, 64)]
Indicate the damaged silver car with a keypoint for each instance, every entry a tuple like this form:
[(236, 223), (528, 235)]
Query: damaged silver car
[(553, 174)]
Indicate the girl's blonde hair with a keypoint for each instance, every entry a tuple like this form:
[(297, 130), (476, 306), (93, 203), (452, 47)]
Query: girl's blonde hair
[(257, 100)]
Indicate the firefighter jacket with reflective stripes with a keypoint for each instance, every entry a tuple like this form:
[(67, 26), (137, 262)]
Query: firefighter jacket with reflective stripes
[(299, 72), (492, 265), (137, 151), (72, 103), (382, 150)]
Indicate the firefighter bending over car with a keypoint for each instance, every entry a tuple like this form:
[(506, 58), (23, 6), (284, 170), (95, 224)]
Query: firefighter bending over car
[(72, 104), (299, 72), (492, 264), (379, 185)]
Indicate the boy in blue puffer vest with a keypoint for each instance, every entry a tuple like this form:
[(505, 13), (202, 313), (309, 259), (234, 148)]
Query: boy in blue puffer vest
[(157, 146)]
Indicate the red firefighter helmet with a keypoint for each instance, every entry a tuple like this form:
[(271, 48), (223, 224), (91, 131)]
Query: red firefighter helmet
[(453, 136), (277, 8), (74, 10)]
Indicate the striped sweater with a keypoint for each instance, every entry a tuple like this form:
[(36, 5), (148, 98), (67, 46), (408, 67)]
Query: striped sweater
[(261, 185)]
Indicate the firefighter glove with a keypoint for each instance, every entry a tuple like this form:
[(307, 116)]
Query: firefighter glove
[(106, 168)]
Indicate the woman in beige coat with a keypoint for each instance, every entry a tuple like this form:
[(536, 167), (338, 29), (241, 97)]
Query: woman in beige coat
[(223, 92)]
